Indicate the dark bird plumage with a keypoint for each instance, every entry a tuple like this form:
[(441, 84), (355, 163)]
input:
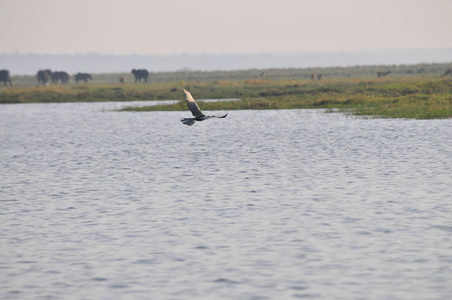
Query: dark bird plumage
[(196, 111)]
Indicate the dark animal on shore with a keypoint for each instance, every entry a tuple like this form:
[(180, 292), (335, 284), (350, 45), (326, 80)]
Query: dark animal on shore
[(383, 74), (122, 80), (263, 74), (44, 76), (195, 110), (4, 76), (313, 76), (83, 77), (320, 76), (60, 76), (447, 73), (140, 74)]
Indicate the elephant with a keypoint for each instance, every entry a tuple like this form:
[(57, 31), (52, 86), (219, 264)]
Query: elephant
[(44, 76), (140, 74), (60, 76), (83, 77), (4, 76)]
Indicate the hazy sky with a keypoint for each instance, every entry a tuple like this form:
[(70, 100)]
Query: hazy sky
[(228, 26)]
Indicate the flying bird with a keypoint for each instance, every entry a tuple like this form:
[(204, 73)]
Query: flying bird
[(195, 110)]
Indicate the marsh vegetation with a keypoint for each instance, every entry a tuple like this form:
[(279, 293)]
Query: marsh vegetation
[(418, 98), (416, 91)]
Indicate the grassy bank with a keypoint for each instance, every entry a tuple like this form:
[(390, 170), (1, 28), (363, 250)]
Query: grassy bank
[(88, 93), (392, 97), (418, 98)]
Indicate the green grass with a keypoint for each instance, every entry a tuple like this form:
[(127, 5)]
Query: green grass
[(418, 97), (87, 93)]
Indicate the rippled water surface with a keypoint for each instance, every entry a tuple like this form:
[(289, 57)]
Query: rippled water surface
[(98, 204)]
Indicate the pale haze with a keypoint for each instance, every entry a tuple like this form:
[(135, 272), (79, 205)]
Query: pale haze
[(233, 26)]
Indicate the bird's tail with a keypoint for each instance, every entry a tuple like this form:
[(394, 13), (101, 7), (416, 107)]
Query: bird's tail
[(188, 121)]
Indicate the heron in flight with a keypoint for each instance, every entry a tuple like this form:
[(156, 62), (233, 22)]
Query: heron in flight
[(195, 110)]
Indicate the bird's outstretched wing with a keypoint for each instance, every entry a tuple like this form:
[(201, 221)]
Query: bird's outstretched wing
[(221, 117), (192, 105)]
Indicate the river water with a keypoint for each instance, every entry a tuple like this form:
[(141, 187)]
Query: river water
[(276, 204)]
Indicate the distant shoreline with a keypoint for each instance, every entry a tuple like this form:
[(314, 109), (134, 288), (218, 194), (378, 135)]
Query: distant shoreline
[(415, 92), (370, 71)]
